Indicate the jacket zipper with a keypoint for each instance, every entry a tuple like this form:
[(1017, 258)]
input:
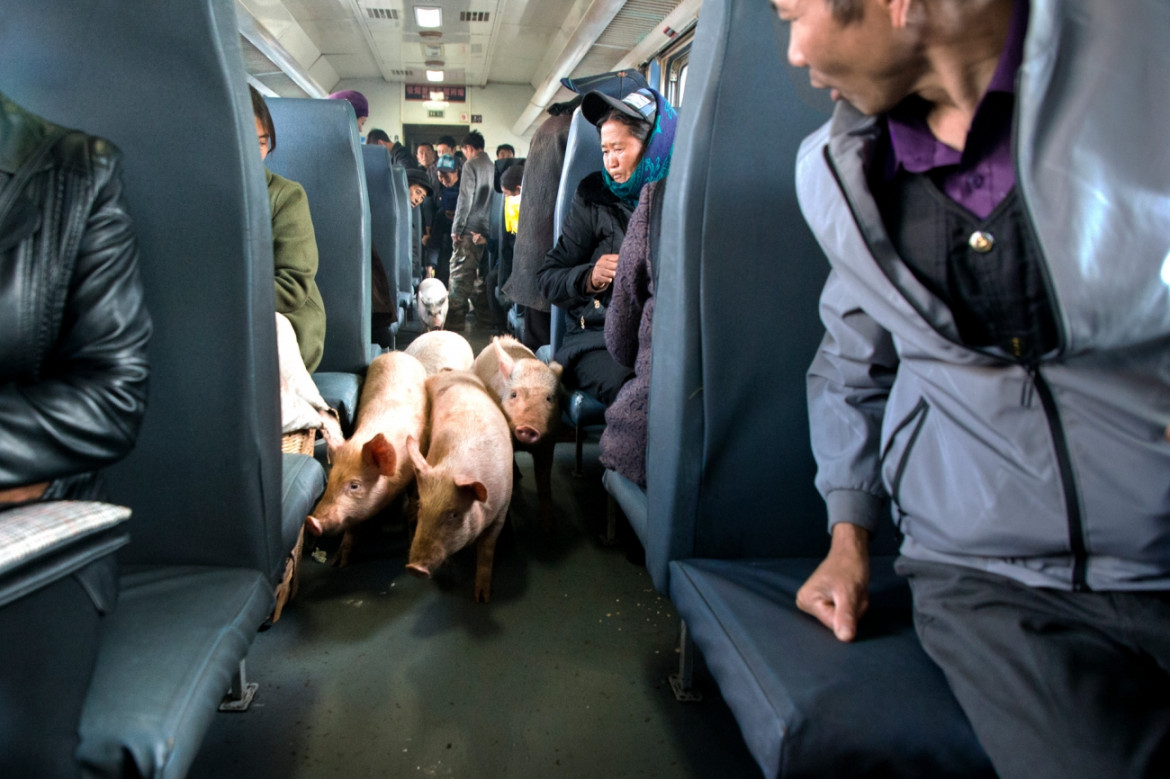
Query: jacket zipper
[(1076, 531)]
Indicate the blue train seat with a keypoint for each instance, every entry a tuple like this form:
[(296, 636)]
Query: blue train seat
[(384, 224), (204, 482), (317, 145), (401, 262), (582, 157), (734, 522)]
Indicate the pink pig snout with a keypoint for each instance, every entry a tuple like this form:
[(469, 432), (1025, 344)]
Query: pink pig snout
[(527, 435), (314, 525), (419, 570)]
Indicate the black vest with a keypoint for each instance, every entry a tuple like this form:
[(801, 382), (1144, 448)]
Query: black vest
[(987, 271)]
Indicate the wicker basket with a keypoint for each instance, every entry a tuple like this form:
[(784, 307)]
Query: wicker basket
[(298, 442)]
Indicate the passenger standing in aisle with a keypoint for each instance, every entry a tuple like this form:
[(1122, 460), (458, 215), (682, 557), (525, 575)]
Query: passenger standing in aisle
[(469, 230), (447, 199), (991, 193)]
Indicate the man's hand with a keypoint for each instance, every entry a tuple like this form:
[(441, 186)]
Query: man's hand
[(837, 593), (478, 239)]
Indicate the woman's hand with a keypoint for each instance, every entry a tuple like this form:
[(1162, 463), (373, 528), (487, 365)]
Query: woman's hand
[(603, 272), (21, 494)]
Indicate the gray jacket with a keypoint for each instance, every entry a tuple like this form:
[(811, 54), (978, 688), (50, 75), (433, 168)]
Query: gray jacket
[(1055, 475), (476, 184)]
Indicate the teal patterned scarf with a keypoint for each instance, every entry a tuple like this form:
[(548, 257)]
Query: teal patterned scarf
[(655, 162)]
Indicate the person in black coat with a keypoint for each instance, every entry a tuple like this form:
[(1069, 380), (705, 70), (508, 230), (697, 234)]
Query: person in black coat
[(637, 133)]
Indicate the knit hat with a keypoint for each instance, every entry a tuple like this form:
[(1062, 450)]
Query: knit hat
[(420, 177), (446, 163), (511, 177), (361, 106)]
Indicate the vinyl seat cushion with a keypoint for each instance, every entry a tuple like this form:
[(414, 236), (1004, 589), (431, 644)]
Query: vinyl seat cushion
[(808, 704), (167, 657)]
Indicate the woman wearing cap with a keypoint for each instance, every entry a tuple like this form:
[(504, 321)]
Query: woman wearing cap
[(637, 133)]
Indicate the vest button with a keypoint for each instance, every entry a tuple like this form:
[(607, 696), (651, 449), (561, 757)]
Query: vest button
[(981, 242)]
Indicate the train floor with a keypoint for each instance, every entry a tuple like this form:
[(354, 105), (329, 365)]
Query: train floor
[(371, 672)]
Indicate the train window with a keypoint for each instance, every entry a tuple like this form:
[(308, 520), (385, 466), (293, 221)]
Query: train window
[(672, 64)]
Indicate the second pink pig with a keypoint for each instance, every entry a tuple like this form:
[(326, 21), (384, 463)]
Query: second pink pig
[(465, 480)]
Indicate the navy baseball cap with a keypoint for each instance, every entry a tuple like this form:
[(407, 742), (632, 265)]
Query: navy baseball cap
[(639, 104)]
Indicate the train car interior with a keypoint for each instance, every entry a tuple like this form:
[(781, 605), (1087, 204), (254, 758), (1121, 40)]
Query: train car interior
[(243, 601)]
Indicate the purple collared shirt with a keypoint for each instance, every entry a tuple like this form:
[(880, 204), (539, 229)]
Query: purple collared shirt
[(981, 175)]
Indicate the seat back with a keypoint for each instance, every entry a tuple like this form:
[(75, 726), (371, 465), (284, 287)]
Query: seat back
[(403, 257), (582, 157), (383, 211), (204, 480), (735, 322), (317, 145)]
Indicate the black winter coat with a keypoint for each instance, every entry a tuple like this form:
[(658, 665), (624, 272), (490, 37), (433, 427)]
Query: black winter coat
[(595, 225), (73, 325)]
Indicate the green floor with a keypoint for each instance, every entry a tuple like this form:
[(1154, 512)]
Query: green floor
[(373, 673)]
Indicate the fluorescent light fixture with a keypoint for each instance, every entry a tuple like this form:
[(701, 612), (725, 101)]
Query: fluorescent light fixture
[(428, 16), (434, 75)]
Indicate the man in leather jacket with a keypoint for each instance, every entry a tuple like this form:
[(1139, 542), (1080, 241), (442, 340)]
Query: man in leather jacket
[(73, 324)]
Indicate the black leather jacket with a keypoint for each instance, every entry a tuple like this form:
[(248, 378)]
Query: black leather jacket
[(73, 324)]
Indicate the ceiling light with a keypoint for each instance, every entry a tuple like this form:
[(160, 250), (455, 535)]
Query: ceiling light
[(428, 16), (434, 75)]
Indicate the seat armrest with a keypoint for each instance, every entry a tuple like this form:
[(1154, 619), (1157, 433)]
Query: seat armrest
[(340, 391)]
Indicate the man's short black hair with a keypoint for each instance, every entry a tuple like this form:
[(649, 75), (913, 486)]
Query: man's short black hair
[(474, 140), (505, 147), (446, 140), (374, 136)]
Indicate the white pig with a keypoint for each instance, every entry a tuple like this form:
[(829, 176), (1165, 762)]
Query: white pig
[(528, 392), (465, 480), (430, 303), (442, 350), (371, 468)]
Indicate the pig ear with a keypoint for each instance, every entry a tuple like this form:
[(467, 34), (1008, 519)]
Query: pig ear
[(557, 369), (379, 453), (476, 487), (420, 463), (506, 362)]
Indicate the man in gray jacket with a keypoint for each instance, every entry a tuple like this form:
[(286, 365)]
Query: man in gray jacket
[(993, 194), (469, 232)]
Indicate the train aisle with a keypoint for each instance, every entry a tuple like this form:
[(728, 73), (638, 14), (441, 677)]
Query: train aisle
[(374, 673)]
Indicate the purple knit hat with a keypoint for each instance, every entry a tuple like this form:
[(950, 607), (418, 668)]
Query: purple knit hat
[(361, 106)]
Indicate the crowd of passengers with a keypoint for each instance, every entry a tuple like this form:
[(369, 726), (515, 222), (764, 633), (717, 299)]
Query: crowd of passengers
[(1051, 625)]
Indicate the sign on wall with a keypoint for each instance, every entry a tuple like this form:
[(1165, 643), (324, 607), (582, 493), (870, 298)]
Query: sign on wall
[(431, 92)]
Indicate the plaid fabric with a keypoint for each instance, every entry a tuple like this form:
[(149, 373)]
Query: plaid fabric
[(30, 530)]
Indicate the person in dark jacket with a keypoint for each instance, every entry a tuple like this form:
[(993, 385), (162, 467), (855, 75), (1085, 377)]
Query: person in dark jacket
[(399, 154), (73, 361), (534, 237), (637, 133)]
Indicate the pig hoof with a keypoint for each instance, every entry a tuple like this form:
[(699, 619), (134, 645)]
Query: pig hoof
[(418, 570), (483, 595)]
